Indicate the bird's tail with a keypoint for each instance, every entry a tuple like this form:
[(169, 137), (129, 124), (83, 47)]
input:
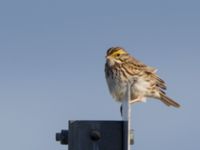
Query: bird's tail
[(168, 101)]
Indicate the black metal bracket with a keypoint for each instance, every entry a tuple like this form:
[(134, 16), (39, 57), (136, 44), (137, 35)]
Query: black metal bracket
[(92, 135)]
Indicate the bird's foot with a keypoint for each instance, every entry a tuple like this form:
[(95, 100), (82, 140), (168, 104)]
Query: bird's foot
[(139, 99)]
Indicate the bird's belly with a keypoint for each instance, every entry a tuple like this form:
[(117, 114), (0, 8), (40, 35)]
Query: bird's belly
[(117, 89), (140, 87)]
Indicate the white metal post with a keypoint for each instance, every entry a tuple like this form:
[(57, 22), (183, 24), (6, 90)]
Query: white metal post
[(126, 115)]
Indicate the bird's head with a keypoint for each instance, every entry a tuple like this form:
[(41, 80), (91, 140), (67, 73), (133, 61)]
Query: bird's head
[(115, 55)]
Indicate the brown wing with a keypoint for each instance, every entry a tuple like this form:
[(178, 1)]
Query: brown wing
[(136, 67), (159, 83), (139, 65)]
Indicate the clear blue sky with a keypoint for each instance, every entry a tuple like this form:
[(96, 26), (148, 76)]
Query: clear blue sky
[(52, 68)]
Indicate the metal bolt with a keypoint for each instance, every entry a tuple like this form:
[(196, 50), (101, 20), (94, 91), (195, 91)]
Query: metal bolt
[(131, 137), (95, 135), (62, 137)]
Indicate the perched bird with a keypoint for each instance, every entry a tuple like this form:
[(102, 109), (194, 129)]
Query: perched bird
[(121, 68)]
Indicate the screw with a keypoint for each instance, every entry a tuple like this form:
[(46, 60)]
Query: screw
[(95, 135)]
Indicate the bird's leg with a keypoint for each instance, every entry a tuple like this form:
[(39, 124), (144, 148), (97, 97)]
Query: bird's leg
[(134, 100), (138, 99), (121, 110)]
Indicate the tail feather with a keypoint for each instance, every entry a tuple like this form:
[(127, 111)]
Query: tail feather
[(168, 101)]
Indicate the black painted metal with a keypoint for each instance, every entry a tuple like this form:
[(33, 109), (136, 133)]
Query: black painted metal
[(94, 135)]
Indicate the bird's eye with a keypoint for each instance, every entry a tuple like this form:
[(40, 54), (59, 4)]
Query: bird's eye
[(118, 55)]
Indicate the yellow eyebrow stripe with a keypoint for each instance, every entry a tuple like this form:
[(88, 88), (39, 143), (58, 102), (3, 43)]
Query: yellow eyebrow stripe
[(120, 51)]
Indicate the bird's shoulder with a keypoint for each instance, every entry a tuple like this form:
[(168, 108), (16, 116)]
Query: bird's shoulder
[(135, 64)]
